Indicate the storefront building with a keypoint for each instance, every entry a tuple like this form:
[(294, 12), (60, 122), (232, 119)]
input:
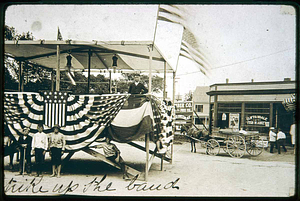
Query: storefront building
[(253, 106)]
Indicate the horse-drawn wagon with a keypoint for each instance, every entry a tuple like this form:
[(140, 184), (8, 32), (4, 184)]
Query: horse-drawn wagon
[(234, 143)]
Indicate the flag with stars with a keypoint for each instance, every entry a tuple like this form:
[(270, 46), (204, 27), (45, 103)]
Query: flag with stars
[(82, 118), (55, 108)]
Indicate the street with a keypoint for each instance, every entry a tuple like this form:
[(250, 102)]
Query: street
[(191, 174)]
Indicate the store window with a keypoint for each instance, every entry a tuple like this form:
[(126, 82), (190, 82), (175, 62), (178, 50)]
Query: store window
[(199, 108), (257, 116)]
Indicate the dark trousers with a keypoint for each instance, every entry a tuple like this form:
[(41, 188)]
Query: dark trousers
[(39, 160), (27, 160), (281, 142), (272, 144)]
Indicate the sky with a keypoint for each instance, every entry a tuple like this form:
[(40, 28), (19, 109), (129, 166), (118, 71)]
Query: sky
[(242, 42)]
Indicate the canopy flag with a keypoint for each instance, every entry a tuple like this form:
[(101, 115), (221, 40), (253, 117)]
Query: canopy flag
[(290, 103), (189, 45), (125, 116), (86, 115), (59, 36), (140, 115)]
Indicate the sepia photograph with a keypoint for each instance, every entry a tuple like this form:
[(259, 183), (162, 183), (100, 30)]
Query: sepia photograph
[(150, 100)]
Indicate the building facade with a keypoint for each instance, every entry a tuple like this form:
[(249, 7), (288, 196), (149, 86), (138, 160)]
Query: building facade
[(254, 106), (201, 106)]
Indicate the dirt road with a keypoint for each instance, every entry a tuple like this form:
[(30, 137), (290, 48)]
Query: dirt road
[(190, 174)]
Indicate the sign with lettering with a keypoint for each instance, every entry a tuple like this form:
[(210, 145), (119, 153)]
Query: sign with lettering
[(257, 120)]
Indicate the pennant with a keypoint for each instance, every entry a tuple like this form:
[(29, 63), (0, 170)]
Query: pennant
[(59, 36)]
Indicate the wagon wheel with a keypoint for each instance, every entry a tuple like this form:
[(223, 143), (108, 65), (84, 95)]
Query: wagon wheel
[(212, 147), (236, 146), (253, 149)]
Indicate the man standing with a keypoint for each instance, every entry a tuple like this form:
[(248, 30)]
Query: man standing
[(293, 135), (136, 87), (57, 145), (272, 139), (39, 148), (281, 140), (25, 149)]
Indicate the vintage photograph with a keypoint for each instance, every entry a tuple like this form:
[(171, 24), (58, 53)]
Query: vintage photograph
[(150, 100)]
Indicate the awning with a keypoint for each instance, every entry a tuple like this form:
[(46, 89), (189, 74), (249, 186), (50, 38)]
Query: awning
[(132, 55), (290, 103)]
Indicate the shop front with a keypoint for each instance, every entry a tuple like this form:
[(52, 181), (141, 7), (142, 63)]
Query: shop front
[(254, 106)]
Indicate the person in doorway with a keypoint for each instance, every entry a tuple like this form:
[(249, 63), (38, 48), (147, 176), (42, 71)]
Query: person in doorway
[(293, 136), (272, 138), (137, 87), (39, 148), (57, 145), (113, 154), (281, 140), (24, 146)]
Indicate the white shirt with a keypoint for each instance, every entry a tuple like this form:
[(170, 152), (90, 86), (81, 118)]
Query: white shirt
[(293, 132), (280, 135), (40, 140), (272, 136)]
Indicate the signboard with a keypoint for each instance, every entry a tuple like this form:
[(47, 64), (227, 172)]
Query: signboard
[(257, 120), (183, 114), (234, 120)]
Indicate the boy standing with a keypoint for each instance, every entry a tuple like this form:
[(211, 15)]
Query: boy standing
[(57, 145), (39, 148), (25, 150)]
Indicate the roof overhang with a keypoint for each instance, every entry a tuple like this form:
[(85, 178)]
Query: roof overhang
[(132, 55)]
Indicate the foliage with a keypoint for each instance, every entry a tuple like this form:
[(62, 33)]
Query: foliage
[(81, 88), (35, 78), (188, 96), (157, 82)]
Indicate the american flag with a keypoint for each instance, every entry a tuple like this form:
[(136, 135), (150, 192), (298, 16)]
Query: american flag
[(55, 108), (190, 48)]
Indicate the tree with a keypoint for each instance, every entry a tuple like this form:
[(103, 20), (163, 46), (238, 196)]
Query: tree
[(188, 96), (35, 77), (123, 84)]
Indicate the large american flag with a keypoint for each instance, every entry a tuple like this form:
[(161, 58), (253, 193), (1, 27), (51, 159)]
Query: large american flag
[(55, 108)]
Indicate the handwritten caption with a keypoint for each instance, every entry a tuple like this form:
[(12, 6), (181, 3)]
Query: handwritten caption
[(35, 186)]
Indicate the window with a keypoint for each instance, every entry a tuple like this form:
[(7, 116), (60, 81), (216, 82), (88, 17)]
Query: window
[(199, 108), (199, 121)]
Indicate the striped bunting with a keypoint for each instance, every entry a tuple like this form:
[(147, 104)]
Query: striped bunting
[(290, 103), (140, 115), (127, 117), (86, 115)]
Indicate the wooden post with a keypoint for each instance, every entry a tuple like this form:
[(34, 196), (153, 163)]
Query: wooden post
[(174, 76), (271, 115), (52, 81), (89, 70), (150, 69), (110, 82), (58, 68), (215, 111), (165, 77), (147, 139), (243, 116), (162, 163), (21, 83)]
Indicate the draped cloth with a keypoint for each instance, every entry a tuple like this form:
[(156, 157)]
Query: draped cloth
[(125, 117)]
